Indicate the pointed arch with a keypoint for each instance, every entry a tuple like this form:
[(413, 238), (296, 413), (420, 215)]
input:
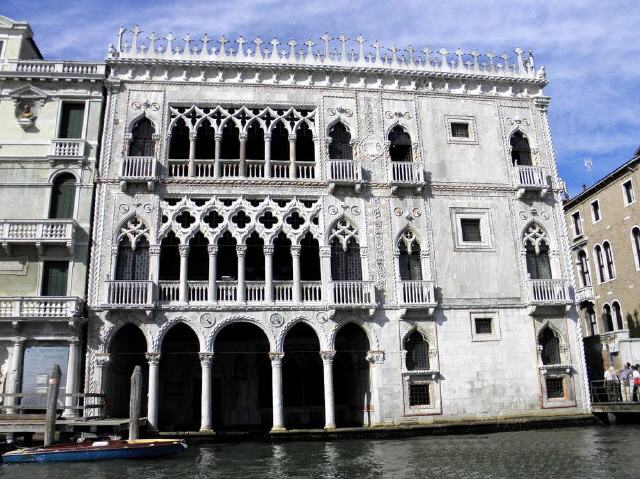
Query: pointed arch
[(549, 341), (142, 130), (417, 348), (400, 143), (133, 228), (340, 145), (179, 139), (536, 245), (520, 148), (408, 252)]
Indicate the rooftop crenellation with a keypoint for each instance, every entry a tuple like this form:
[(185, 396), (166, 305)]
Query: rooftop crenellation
[(329, 51)]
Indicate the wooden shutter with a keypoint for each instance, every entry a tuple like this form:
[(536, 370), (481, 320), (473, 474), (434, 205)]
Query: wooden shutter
[(54, 278), (63, 197), (72, 120)]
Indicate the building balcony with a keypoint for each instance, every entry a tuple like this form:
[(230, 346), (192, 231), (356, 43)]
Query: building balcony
[(65, 69), (344, 172), (130, 294), (233, 168), (353, 294), (406, 174), (40, 233), (416, 295), (67, 150), (138, 169), (530, 178), (548, 293), (584, 294), (40, 307)]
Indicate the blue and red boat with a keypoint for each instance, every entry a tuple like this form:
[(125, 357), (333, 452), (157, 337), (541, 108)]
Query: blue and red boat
[(97, 451)]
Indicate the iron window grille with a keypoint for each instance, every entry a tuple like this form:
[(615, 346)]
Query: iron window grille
[(471, 230), (555, 388), (483, 325), (419, 395)]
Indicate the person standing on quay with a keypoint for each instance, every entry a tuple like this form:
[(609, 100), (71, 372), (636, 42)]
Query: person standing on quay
[(636, 381), (610, 380), (625, 385)]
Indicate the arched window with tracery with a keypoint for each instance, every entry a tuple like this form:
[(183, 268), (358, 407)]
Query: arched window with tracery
[(133, 252), (607, 318), (536, 246), (346, 264), (617, 315), (230, 142), (170, 258), (227, 258), (409, 262), (179, 143), (583, 269), (142, 142), (597, 251), (279, 142), (63, 196), (205, 141), (520, 149), (608, 256), (635, 240), (550, 344), (417, 349), (400, 148), (255, 142), (340, 145), (305, 149)]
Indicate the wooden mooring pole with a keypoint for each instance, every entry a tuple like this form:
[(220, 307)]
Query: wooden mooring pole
[(135, 399), (53, 389)]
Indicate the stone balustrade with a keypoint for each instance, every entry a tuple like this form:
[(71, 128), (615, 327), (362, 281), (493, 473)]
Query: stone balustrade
[(66, 149), (231, 168), (40, 307), (54, 68), (584, 294), (130, 293), (406, 173), (549, 292), (353, 294), (530, 178), (344, 172), (416, 294), (53, 232), (138, 169)]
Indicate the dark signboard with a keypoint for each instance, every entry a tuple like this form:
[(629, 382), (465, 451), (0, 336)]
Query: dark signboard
[(38, 363)]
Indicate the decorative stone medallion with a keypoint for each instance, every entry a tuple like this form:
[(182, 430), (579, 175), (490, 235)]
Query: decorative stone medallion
[(322, 317), (371, 147), (276, 320), (207, 320)]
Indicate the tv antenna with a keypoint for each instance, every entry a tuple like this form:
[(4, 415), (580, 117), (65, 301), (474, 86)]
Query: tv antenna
[(588, 163)]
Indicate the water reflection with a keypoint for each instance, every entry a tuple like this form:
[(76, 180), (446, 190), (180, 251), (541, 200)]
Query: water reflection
[(594, 452)]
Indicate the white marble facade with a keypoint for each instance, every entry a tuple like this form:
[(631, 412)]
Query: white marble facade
[(474, 302)]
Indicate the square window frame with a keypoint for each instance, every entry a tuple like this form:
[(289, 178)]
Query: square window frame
[(85, 117), (472, 139), (434, 407), (486, 229), (495, 334), (569, 400), (593, 218), (624, 192)]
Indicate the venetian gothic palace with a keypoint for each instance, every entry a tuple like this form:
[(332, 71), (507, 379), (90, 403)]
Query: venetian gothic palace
[(285, 235)]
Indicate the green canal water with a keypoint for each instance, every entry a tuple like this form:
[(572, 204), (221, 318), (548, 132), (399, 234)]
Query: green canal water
[(590, 452)]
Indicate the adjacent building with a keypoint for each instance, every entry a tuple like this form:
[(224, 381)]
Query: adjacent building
[(50, 112), (604, 231), (292, 237)]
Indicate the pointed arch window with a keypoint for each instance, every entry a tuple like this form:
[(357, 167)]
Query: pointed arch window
[(205, 141), (417, 349), (305, 148), (635, 238), (230, 146), (409, 257), (608, 256), (550, 347), (607, 318), (400, 148), (537, 253), (583, 269), (63, 196), (170, 258), (279, 142), (255, 142), (346, 264), (142, 142), (520, 149), (133, 260), (179, 143), (227, 258), (340, 146), (617, 315), (600, 263)]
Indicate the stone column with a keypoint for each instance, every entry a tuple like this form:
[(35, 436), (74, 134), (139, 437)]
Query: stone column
[(376, 358), (71, 387), (325, 274), (216, 165), (329, 407), (192, 153), (292, 157), (206, 401), (14, 375), (184, 270), (241, 251), (114, 262), (152, 396), (268, 273), (243, 156), (267, 156), (295, 261), (154, 269), (101, 361), (276, 391), (364, 258), (213, 272)]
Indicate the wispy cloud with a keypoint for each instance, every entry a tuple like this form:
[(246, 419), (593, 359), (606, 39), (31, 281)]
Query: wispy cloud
[(590, 48)]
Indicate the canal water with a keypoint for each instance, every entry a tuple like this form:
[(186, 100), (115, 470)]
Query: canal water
[(590, 452)]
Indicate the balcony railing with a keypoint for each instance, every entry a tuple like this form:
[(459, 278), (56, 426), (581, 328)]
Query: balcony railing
[(311, 291), (344, 172), (40, 307), (138, 169), (530, 178), (406, 173), (548, 292), (64, 149), (130, 293), (353, 294), (416, 294), (584, 294), (54, 67), (230, 168), (37, 232)]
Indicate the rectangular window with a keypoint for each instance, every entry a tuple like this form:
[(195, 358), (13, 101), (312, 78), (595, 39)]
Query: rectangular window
[(419, 395), (595, 211), (555, 388), (470, 230), (577, 223), (1, 47), (629, 196), (483, 326), (54, 278), (459, 130), (71, 120)]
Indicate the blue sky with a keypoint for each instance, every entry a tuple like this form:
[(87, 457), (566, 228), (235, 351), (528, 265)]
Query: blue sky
[(591, 49)]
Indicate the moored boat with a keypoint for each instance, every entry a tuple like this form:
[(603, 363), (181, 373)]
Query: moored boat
[(97, 451)]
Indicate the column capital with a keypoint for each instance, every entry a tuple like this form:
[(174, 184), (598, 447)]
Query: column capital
[(542, 104), (295, 250), (375, 357), (212, 249), (243, 136), (364, 251), (327, 356), (114, 250), (102, 359), (267, 137), (268, 249), (217, 136), (292, 137), (193, 135), (153, 358), (241, 249), (154, 250), (325, 251), (19, 341), (183, 249), (74, 341), (206, 359), (276, 358)]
